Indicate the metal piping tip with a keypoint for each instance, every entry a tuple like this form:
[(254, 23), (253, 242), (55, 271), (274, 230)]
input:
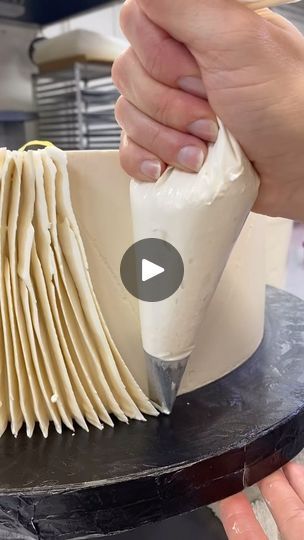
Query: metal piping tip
[(164, 377)]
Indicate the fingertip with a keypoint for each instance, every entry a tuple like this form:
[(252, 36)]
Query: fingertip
[(151, 169), (191, 158), (193, 85), (239, 520), (204, 129), (138, 162), (293, 469)]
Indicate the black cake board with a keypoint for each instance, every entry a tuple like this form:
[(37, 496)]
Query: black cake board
[(219, 439), (200, 524)]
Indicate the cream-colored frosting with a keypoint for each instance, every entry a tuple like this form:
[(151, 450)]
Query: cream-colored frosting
[(58, 361), (201, 215), (234, 322)]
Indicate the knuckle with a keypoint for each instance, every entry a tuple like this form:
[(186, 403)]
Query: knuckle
[(171, 109), (119, 109), (116, 68), (125, 15), (130, 125), (119, 70), (154, 137), (162, 107), (123, 68), (155, 60), (125, 143)]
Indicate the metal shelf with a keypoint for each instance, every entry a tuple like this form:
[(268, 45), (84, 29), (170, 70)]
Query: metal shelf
[(75, 106)]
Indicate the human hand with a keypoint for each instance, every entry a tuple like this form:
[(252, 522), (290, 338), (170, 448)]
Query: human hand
[(283, 492), (188, 59)]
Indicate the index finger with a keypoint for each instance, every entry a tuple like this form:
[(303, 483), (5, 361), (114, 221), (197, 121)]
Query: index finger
[(285, 505), (239, 520)]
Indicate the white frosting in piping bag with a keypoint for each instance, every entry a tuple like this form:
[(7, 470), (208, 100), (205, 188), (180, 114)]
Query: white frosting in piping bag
[(201, 215)]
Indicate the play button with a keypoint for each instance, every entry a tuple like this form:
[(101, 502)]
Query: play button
[(152, 270)]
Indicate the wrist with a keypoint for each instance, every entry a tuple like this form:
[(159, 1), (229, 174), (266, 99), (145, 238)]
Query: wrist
[(282, 199)]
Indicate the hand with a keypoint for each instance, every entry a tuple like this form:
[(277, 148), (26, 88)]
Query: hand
[(193, 59), (283, 492)]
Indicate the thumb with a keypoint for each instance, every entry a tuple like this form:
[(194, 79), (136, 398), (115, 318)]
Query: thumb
[(199, 23)]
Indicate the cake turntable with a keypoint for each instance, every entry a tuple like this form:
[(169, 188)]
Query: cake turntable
[(218, 440)]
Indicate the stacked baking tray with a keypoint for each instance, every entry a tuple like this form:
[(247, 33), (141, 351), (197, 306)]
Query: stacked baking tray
[(75, 107)]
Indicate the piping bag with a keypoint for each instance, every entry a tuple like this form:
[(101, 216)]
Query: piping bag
[(201, 215)]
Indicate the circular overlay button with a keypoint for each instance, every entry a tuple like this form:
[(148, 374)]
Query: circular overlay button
[(152, 270)]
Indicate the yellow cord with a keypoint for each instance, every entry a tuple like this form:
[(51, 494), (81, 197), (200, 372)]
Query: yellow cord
[(35, 145)]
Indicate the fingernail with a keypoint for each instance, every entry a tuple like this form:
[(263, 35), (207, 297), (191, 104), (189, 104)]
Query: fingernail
[(191, 157), (193, 85), (151, 169), (204, 129)]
